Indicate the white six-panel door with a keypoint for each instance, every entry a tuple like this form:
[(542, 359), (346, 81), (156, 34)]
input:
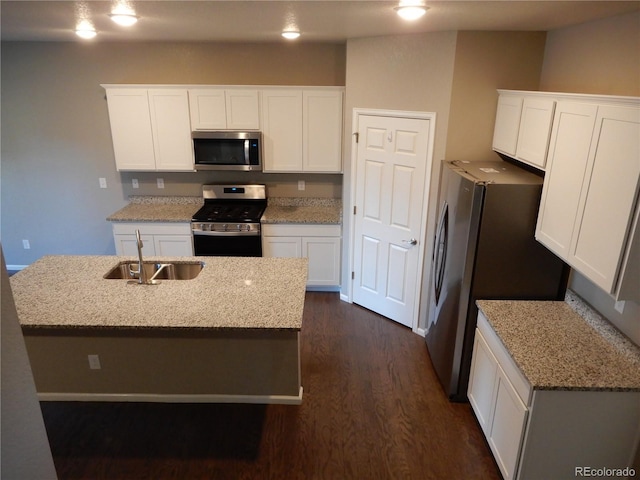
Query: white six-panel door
[(391, 165)]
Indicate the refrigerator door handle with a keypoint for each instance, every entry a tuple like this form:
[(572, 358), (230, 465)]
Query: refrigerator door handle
[(440, 251)]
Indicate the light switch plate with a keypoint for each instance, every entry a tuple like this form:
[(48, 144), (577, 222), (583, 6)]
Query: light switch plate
[(160, 182), (301, 185), (619, 306), (134, 183), (103, 182)]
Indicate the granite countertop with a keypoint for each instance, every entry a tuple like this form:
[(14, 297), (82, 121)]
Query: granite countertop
[(323, 211), (229, 293), (319, 211), (556, 348), (157, 209)]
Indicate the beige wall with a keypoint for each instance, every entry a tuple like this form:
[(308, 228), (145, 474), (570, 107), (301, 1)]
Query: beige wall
[(455, 75), (56, 139), (601, 57), (408, 72), (484, 62)]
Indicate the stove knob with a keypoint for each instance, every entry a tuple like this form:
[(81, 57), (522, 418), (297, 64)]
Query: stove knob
[(224, 227), (248, 228), (239, 227)]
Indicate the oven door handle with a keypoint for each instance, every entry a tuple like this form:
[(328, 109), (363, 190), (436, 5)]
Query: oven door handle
[(226, 234)]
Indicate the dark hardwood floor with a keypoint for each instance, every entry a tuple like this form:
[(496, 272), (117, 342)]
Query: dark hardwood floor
[(372, 409)]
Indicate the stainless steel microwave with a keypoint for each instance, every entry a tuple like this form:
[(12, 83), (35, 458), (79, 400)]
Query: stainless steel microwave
[(227, 150)]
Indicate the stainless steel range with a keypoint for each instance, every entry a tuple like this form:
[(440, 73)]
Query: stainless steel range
[(229, 222)]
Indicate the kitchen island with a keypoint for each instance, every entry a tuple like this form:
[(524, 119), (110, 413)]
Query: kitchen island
[(231, 334)]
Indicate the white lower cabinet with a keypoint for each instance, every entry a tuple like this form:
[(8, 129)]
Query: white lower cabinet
[(542, 434), (159, 239), (499, 409), (320, 244)]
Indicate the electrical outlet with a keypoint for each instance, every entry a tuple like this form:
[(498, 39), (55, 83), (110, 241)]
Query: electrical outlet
[(26, 245), (301, 185), (619, 306), (103, 182), (94, 362), (134, 183), (160, 182)]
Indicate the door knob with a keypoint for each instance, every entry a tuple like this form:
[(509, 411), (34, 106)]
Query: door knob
[(412, 241)]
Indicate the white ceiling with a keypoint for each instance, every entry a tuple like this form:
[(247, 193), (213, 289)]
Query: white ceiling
[(262, 21)]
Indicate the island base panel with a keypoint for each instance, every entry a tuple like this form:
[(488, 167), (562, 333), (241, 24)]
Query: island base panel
[(246, 367)]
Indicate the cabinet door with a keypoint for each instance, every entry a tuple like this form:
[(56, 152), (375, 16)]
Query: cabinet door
[(535, 128), (242, 109), (484, 371), (566, 167), (171, 129), (131, 129), (324, 260), (322, 131), (505, 134), (126, 245), (173, 245), (507, 426), (282, 130), (288, 247), (208, 109), (608, 198)]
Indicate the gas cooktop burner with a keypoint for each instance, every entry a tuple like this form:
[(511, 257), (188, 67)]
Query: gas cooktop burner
[(230, 212)]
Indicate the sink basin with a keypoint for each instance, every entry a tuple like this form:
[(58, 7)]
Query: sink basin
[(156, 271)]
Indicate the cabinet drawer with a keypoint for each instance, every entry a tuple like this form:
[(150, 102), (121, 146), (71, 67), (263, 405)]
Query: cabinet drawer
[(520, 384), (151, 228), (297, 230)]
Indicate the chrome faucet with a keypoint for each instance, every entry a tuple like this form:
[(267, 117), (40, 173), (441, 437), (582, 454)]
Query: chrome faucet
[(142, 274)]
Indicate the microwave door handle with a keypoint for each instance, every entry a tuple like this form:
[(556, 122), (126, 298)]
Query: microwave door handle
[(246, 152)]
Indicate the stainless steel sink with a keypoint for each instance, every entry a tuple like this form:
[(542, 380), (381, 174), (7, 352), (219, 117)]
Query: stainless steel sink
[(156, 271)]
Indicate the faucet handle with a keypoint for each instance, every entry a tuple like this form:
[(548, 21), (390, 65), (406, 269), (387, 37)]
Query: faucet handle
[(138, 239)]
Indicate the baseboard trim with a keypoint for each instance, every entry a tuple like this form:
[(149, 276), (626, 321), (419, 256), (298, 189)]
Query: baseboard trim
[(170, 398), (16, 268)]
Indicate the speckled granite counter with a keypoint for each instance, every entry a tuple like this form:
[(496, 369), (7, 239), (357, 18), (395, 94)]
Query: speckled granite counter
[(327, 211), (157, 209), (557, 349), (229, 293)]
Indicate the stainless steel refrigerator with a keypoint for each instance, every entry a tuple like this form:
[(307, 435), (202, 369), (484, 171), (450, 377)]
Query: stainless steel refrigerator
[(484, 249)]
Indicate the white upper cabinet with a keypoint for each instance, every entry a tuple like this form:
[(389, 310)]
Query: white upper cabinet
[(131, 129), (282, 130), (150, 128), (522, 129), (170, 126), (224, 109), (302, 130), (535, 128), (589, 206), (322, 131), (505, 133)]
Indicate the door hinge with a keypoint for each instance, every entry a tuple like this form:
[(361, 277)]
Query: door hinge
[(354, 209), (353, 275), (357, 134)]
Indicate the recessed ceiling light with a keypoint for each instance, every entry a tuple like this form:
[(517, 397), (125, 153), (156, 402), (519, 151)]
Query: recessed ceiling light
[(290, 34), (124, 19), (411, 12)]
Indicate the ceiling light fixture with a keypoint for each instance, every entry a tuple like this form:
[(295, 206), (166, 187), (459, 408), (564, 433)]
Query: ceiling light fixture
[(124, 19), (411, 10), (85, 30), (290, 34)]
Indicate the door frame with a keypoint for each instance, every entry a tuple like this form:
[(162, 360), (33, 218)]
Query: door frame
[(431, 116)]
